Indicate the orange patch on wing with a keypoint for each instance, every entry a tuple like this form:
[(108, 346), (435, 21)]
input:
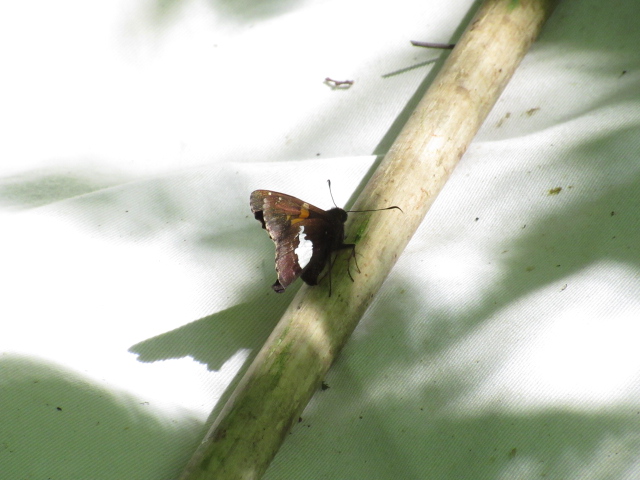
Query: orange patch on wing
[(304, 213)]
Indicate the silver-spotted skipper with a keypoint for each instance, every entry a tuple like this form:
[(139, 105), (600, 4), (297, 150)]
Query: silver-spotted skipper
[(305, 235)]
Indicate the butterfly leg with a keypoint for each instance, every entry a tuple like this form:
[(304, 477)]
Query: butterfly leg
[(328, 272), (344, 246), (352, 246), (355, 260)]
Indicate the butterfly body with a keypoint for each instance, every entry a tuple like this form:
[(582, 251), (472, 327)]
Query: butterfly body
[(305, 235)]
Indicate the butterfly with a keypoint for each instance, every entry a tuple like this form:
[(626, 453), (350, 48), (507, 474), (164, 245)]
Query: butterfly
[(305, 235)]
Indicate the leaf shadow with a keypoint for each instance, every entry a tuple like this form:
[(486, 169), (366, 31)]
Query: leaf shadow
[(57, 423)]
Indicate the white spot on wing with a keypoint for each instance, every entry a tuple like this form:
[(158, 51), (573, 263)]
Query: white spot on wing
[(304, 250)]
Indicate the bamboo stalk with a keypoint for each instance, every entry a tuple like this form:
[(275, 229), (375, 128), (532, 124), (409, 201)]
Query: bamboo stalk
[(284, 375)]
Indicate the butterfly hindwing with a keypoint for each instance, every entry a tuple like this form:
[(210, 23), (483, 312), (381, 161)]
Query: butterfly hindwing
[(304, 235)]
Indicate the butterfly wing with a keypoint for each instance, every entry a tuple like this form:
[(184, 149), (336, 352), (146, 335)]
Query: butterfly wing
[(301, 232)]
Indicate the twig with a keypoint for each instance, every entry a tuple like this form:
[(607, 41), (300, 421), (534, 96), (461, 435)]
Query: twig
[(443, 46), (344, 84)]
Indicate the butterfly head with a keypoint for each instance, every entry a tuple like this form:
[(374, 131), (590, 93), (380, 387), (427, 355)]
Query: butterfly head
[(338, 214)]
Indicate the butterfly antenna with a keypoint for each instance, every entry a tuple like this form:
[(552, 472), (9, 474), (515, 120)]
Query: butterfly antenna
[(375, 210), (360, 211), (331, 193)]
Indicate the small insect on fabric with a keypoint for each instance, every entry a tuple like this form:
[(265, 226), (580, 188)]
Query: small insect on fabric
[(305, 235)]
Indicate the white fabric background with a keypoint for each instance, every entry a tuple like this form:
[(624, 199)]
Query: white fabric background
[(136, 284)]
